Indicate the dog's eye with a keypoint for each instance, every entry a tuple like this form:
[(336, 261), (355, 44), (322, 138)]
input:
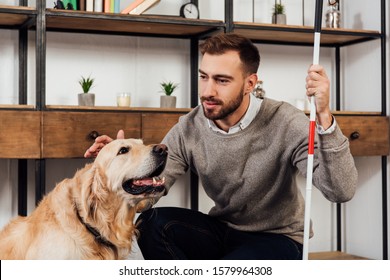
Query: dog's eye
[(123, 150)]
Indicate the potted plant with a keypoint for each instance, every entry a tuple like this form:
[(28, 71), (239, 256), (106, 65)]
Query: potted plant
[(86, 98), (167, 100), (278, 15)]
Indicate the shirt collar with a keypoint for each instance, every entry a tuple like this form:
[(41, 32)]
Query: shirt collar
[(253, 109)]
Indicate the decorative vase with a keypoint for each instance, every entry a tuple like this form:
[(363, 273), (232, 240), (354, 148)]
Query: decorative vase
[(280, 19), (86, 99), (167, 101)]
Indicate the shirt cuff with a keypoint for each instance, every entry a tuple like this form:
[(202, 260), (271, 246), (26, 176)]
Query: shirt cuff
[(322, 131)]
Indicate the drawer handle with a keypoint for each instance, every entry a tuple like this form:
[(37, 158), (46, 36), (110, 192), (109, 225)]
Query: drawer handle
[(93, 135), (355, 135)]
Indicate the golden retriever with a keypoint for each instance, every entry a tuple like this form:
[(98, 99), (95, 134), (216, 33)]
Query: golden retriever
[(91, 215)]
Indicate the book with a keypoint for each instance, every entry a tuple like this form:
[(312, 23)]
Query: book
[(70, 4), (144, 6), (117, 6), (81, 5), (112, 6), (89, 5), (132, 6), (98, 6), (107, 6)]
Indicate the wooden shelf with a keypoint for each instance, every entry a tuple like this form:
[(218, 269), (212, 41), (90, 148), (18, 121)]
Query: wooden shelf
[(15, 16), (333, 255), (115, 108), (16, 107), (151, 25), (302, 35)]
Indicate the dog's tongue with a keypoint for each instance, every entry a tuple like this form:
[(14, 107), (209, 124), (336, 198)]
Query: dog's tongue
[(143, 182), (155, 181)]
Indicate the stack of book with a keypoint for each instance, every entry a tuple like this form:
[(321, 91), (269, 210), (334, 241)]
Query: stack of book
[(136, 7), (108, 6)]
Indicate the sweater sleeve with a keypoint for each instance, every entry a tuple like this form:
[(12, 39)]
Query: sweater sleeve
[(334, 171)]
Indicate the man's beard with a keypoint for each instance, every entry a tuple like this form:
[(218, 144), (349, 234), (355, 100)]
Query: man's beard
[(225, 110)]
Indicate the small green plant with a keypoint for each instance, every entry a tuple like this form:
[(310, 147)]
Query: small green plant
[(86, 83), (168, 87), (278, 9)]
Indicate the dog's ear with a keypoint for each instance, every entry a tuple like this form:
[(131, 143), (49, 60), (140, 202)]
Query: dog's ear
[(96, 191)]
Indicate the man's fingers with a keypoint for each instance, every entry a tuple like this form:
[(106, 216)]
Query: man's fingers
[(100, 142), (103, 139), (94, 150)]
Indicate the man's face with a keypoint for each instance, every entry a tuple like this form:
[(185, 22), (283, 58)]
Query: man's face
[(221, 86)]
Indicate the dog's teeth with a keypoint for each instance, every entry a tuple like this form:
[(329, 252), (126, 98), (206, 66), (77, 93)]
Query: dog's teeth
[(157, 181)]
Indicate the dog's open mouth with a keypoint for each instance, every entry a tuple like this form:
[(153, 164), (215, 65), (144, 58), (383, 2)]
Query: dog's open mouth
[(149, 184)]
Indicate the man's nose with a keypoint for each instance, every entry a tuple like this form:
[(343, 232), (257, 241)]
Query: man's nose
[(208, 89)]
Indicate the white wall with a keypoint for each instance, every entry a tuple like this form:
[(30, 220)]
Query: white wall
[(137, 64)]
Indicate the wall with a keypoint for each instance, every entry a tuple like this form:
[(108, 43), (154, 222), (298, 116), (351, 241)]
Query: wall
[(137, 64)]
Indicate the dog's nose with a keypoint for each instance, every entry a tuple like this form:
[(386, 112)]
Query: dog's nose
[(160, 150)]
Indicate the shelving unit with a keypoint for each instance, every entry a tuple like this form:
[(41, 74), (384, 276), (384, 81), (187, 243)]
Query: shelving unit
[(368, 131)]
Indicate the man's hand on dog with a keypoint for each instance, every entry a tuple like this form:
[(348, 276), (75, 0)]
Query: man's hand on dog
[(100, 142)]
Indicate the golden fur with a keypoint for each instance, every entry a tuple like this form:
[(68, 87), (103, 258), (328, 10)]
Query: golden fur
[(55, 229)]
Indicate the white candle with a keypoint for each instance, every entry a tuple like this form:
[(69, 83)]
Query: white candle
[(123, 99)]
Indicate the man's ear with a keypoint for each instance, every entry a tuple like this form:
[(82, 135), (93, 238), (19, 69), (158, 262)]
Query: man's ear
[(251, 81)]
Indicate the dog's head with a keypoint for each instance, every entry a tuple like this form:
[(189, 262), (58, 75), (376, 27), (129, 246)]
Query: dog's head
[(133, 168)]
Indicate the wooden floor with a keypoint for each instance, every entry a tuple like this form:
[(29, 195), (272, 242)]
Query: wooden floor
[(334, 255)]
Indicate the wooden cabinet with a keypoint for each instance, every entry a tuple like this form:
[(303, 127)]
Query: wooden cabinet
[(368, 135), (156, 125), (69, 134), (20, 133)]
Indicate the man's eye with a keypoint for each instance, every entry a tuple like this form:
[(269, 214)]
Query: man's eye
[(123, 150), (222, 81), (202, 77)]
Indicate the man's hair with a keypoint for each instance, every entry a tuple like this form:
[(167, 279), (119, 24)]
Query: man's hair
[(223, 42)]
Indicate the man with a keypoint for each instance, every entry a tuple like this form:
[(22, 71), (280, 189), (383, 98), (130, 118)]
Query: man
[(246, 152)]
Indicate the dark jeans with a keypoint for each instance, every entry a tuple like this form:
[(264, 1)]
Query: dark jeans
[(177, 233)]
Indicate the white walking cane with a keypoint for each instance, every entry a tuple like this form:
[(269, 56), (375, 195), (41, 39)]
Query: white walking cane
[(312, 127)]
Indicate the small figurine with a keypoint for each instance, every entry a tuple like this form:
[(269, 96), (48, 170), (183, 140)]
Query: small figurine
[(332, 18)]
